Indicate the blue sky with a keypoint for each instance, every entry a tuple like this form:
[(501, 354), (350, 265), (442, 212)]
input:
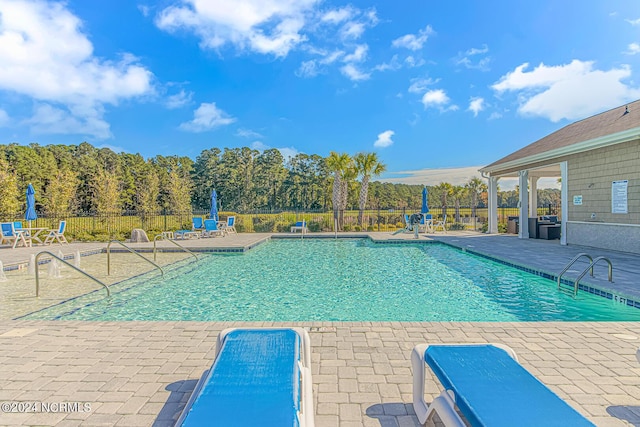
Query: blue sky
[(437, 89)]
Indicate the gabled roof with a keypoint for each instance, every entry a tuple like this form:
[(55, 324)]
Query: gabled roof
[(612, 126)]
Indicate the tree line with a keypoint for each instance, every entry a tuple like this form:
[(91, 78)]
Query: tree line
[(83, 179)]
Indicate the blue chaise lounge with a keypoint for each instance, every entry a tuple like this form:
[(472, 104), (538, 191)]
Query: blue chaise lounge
[(260, 377), (489, 387)]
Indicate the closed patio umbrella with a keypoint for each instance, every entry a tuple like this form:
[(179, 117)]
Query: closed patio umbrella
[(213, 214), (30, 214), (425, 206)]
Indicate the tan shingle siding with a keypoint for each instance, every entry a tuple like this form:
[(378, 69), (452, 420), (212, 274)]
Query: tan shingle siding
[(601, 167)]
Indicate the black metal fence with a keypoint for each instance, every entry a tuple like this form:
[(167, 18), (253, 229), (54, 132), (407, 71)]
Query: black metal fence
[(118, 225)]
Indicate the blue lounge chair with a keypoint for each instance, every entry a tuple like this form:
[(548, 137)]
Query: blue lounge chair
[(300, 225), (260, 377), (196, 224), (489, 386), (211, 228)]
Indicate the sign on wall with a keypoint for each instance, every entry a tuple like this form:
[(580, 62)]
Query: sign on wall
[(619, 197), (577, 200)]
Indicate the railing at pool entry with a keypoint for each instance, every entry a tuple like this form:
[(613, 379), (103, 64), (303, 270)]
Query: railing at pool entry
[(68, 264), (130, 250), (594, 262), (162, 237)]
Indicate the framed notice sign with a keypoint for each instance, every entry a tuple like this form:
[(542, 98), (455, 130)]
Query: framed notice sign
[(619, 197)]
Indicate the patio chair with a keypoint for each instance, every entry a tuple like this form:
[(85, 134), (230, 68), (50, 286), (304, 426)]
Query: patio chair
[(407, 226), (441, 224), (211, 229), (300, 226), (11, 234), (57, 235), (229, 226), (489, 387), (196, 224), (426, 223), (259, 377)]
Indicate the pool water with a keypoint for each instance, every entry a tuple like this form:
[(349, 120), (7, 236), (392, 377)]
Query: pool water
[(341, 280)]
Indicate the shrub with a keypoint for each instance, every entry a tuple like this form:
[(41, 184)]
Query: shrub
[(456, 226)]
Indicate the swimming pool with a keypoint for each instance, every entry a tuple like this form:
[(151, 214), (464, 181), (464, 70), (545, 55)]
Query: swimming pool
[(341, 280)]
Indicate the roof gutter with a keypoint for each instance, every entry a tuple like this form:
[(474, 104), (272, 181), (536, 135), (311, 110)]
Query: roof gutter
[(592, 144)]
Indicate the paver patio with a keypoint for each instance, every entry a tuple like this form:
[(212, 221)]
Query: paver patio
[(142, 373)]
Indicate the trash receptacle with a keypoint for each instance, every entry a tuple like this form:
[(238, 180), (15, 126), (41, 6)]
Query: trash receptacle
[(513, 225)]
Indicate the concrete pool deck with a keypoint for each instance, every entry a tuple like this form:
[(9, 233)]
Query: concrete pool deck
[(142, 373)]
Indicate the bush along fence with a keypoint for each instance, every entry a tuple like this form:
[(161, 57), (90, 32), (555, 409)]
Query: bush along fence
[(118, 225)]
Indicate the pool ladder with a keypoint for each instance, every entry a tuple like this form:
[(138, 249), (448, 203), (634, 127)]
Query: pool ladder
[(592, 262), (130, 250), (163, 237), (67, 264)]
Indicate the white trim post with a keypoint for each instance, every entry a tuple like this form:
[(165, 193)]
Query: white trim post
[(564, 201), (523, 182), (533, 196), (492, 203)]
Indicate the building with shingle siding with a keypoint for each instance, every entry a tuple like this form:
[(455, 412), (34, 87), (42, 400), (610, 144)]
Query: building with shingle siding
[(598, 162)]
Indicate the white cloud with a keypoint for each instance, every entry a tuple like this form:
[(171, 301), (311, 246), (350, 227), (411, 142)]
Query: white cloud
[(495, 115), (469, 58), (571, 91), (207, 117), (308, 69), (384, 139), (248, 133), (419, 85), (633, 21), (412, 41), (179, 99), (392, 65), (413, 62), (437, 98), (337, 16), (359, 54), (48, 119), (4, 118), (354, 73), (352, 30), (270, 27), (454, 175), (632, 49), (476, 105), (44, 55)]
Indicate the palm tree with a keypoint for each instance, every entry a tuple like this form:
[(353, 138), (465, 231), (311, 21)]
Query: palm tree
[(475, 186), (458, 192), (367, 165), (338, 164), (445, 190)]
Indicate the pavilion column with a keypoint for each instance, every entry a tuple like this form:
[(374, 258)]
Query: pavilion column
[(492, 203), (523, 176), (564, 202), (533, 196)]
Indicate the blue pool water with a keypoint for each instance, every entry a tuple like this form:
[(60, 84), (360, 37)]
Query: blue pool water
[(340, 280)]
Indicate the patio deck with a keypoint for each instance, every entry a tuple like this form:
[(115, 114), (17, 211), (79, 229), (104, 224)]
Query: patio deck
[(142, 373)]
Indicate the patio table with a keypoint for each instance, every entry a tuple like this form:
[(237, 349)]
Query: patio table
[(34, 232)]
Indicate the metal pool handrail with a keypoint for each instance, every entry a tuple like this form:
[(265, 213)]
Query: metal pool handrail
[(155, 239), (575, 258), (130, 250), (68, 264), (600, 258)]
